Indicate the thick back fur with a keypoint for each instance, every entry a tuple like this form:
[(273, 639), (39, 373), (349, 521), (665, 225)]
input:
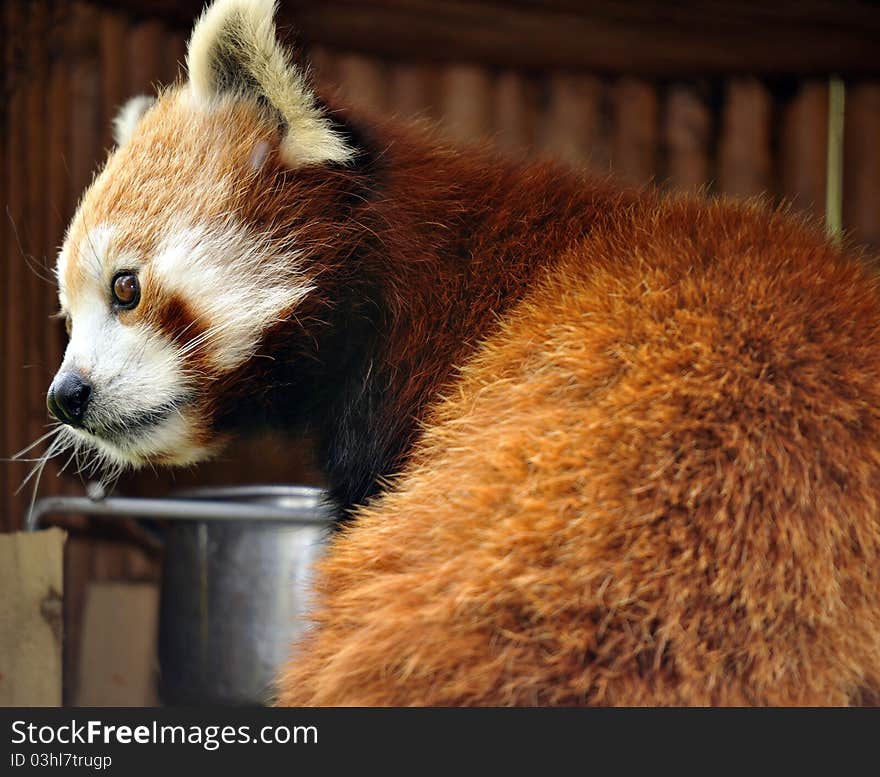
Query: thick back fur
[(593, 445), (655, 483)]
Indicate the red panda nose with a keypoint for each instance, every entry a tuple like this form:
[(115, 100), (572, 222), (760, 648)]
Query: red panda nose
[(68, 398)]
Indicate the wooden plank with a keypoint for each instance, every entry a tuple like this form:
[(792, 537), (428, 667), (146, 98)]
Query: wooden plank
[(647, 38), (145, 57), (118, 653), (175, 53), (85, 95), (14, 429), (59, 192), (467, 102), (861, 174), (109, 560), (516, 107), (38, 370), (415, 90), (168, 67), (803, 147), (142, 566), (573, 126), (650, 37), (688, 136), (31, 578), (5, 85), (635, 140), (322, 68), (113, 58), (745, 162), (363, 81), (77, 573)]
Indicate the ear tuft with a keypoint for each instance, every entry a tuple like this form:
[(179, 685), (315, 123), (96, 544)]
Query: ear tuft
[(129, 116), (234, 50)]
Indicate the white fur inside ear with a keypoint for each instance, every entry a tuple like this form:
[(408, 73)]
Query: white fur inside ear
[(234, 48), (128, 117)]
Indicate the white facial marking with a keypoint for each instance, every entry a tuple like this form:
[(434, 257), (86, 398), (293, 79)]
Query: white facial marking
[(234, 280), (134, 371)]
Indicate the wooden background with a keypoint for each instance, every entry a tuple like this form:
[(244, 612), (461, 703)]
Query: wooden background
[(720, 95)]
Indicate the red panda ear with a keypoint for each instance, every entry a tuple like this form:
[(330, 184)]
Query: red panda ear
[(234, 50), (129, 116)]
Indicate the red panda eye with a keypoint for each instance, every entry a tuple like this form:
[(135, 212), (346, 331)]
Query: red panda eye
[(126, 290)]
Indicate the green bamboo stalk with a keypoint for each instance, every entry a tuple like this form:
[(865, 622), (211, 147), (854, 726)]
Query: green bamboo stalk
[(834, 188)]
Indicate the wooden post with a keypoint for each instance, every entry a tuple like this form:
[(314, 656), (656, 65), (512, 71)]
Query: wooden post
[(322, 68), (861, 176), (414, 90), (117, 660), (803, 147), (59, 192), (467, 102), (573, 127), (5, 228), (363, 81), (31, 579), (14, 411), (35, 257), (515, 107), (634, 150), (145, 57), (114, 70), (688, 128), (77, 572), (744, 164), (175, 52)]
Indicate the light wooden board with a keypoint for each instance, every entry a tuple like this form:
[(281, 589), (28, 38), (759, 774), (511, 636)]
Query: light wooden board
[(117, 659), (31, 598)]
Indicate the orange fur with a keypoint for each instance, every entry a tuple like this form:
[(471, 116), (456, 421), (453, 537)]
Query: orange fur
[(656, 483)]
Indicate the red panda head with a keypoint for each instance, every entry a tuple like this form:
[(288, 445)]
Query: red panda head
[(206, 230)]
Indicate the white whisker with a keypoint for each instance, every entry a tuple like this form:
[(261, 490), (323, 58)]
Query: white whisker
[(17, 456)]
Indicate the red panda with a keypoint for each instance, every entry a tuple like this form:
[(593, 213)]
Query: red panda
[(594, 445)]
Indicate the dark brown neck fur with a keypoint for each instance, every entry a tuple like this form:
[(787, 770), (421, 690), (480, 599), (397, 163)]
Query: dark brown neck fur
[(439, 243)]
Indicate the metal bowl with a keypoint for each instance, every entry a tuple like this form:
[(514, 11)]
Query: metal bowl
[(235, 576), (234, 594)]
